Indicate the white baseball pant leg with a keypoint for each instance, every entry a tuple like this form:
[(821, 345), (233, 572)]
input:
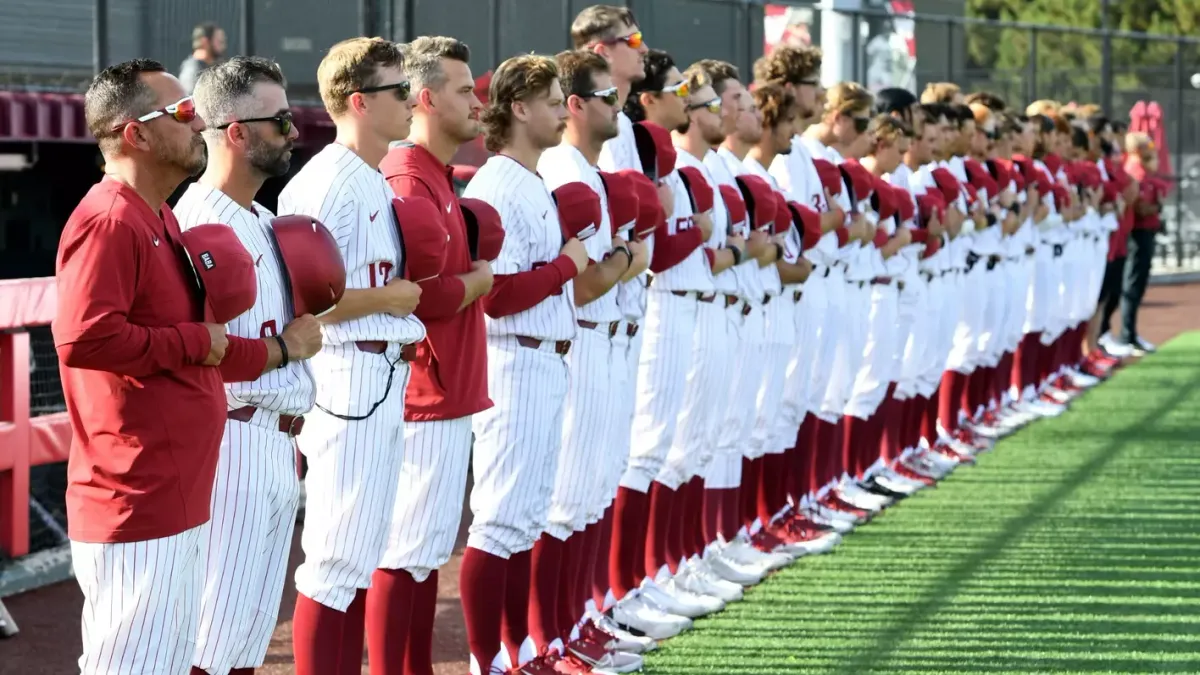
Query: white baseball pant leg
[(739, 412), (871, 383), (797, 371), (666, 356), (141, 604), (777, 320), (827, 310), (517, 445), (627, 347), (586, 459), (429, 496), (695, 428), (246, 544), (353, 467)]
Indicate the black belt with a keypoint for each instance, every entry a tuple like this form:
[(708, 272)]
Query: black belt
[(631, 329), (700, 297), (993, 261), (972, 258), (1058, 250), (881, 281), (407, 352), (291, 425)]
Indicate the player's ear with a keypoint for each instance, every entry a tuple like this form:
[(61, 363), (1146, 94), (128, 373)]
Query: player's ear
[(425, 97), (135, 135), (646, 98), (519, 111), (574, 104)]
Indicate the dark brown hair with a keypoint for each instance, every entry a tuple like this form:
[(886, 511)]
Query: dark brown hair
[(521, 78)]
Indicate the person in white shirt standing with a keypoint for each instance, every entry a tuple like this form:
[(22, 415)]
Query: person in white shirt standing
[(530, 323), (256, 492), (589, 466), (354, 438)]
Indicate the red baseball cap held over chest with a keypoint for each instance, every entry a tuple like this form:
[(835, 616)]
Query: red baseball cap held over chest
[(423, 231), (622, 202), (760, 201), (650, 210), (736, 207), (578, 210), (698, 189), (312, 263), (485, 232), (224, 270), (655, 150)]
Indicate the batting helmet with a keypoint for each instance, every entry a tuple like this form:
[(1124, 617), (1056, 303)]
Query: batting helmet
[(485, 232), (312, 263), (423, 231), (224, 270)]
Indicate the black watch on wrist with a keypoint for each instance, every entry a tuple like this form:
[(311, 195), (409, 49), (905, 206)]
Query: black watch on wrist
[(283, 352), (738, 256), (779, 251)]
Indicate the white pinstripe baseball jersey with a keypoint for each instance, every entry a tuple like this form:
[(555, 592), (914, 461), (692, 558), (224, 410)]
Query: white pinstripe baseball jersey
[(724, 167), (693, 273), (288, 390), (797, 176), (770, 274), (725, 282), (621, 152), (355, 203), (565, 164), (618, 154), (532, 237)]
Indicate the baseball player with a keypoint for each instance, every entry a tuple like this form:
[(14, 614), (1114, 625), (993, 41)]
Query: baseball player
[(257, 492), (449, 375), (681, 280), (137, 348), (589, 467), (530, 324), (353, 438)]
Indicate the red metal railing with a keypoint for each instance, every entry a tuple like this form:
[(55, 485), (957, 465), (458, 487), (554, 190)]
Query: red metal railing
[(24, 441)]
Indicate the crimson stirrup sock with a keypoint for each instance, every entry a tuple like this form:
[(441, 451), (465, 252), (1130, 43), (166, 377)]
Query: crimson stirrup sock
[(317, 637), (598, 564), (548, 556), (749, 491), (631, 514), (389, 616), (662, 500), (418, 653), (571, 584), (482, 582), (354, 634)]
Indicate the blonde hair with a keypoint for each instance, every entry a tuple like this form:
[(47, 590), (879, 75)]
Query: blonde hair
[(889, 130), (847, 98), (788, 65), (520, 78), (940, 92), (353, 65), (1137, 141), (1043, 107)]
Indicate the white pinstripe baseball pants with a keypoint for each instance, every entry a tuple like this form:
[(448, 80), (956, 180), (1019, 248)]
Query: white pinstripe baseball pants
[(587, 465), (740, 409), (246, 544), (429, 496), (141, 604), (353, 467), (666, 356), (695, 438), (822, 308), (517, 445), (875, 372), (623, 386), (779, 332)]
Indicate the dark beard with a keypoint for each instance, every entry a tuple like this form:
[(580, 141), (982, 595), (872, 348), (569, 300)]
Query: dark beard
[(683, 128), (268, 160), (187, 159)]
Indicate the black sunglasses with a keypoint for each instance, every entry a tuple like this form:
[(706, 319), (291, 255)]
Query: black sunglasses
[(283, 121), (609, 96), (401, 89), (861, 124)]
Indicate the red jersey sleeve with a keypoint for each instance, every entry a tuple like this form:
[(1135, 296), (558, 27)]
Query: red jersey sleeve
[(442, 295), (515, 293), (245, 359), (97, 283), (672, 249)]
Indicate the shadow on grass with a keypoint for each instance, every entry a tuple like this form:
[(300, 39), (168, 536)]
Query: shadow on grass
[(905, 626)]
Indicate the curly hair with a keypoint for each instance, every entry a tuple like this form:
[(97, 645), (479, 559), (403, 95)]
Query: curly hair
[(940, 92), (788, 65), (658, 64), (847, 98), (986, 99), (521, 78), (718, 72), (352, 65), (775, 103), (889, 129)]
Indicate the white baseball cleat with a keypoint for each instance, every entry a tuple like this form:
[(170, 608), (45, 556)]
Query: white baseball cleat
[(699, 579), (730, 570), (674, 600), (744, 553), (619, 639), (634, 613)]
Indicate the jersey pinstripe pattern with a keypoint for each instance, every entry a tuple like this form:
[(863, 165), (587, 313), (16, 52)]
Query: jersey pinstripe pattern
[(725, 282), (532, 235), (693, 273), (354, 202), (724, 172), (256, 491), (287, 390), (769, 275), (797, 176), (152, 585), (565, 164), (617, 154)]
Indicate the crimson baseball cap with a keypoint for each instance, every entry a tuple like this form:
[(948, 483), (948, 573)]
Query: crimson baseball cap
[(578, 210), (650, 210), (224, 270), (622, 201), (423, 231), (485, 232)]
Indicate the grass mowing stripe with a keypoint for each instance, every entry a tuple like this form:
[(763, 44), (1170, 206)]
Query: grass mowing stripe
[(1073, 547)]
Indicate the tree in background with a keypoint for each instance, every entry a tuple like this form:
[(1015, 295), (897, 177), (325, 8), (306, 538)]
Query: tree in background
[(1068, 65)]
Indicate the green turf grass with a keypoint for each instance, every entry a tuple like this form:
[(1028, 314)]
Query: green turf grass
[(1073, 547)]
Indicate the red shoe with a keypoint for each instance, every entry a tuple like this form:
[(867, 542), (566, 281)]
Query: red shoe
[(947, 451), (797, 520), (901, 470), (765, 541), (833, 501), (544, 664)]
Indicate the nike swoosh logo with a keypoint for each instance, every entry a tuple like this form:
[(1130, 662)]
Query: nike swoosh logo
[(544, 214), (373, 216), (448, 207), (156, 241)]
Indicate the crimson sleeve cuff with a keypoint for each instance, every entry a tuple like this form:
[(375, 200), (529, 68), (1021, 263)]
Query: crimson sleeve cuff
[(196, 342)]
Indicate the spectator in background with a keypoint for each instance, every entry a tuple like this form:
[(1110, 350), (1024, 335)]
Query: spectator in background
[(208, 46), (1141, 163)]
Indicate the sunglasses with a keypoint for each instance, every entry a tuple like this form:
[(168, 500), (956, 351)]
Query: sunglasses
[(609, 96), (283, 121), (861, 124), (182, 111), (680, 89), (401, 89), (813, 82), (714, 106), (634, 40)]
